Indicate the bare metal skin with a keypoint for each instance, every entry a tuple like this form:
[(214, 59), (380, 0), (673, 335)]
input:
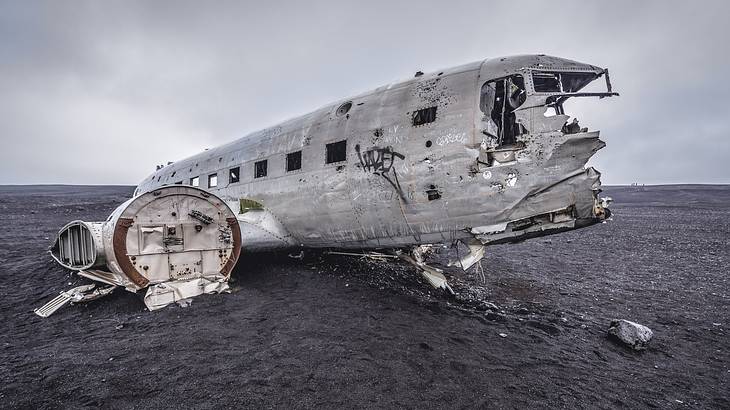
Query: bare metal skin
[(481, 153), (403, 184)]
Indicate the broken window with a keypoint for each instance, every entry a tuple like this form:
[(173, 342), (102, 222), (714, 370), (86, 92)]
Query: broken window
[(195, 181), (499, 99), (433, 193), (424, 116), (212, 180), (573, 82), (546, 82), (234, 175), (294, 161), (556, 82), (260, 168), (336, 151)]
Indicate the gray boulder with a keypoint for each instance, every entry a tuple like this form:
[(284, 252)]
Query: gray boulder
[(632, 334)]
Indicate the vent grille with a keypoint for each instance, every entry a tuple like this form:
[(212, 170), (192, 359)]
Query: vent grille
[(74, 247)]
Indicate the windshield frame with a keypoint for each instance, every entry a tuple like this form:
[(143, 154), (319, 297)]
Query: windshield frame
[(561, 78)]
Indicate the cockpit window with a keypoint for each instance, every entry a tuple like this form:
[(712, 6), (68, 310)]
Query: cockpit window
[(546, 82), (556, 82), (573, 82)]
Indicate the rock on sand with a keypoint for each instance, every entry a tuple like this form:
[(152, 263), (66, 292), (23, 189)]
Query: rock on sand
[(633, 334)]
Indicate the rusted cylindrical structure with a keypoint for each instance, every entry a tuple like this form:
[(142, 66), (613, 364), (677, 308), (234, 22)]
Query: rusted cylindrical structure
[(171, 233)]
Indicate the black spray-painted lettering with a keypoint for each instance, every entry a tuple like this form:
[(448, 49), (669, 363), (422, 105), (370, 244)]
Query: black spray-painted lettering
[(380, 161)]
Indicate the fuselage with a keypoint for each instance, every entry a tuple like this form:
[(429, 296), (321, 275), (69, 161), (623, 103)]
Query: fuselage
[(460, 154)]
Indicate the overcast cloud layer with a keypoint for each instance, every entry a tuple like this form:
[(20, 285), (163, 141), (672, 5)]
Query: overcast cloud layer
[(100, 92)]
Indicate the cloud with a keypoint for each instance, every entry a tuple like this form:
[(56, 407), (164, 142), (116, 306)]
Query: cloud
[(94, 92)]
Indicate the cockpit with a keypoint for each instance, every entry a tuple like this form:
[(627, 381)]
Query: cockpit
[(534, 85)]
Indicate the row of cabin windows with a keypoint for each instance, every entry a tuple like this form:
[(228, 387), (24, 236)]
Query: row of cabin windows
[(335, 152)]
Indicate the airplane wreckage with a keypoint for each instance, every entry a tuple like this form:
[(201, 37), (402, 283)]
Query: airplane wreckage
[(479, 154)]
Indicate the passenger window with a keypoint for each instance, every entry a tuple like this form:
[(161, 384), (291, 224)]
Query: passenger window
[(234, 175), (336, 151), (212, 180), (424, 116), (260, 168), (294, 161), (195, 181)]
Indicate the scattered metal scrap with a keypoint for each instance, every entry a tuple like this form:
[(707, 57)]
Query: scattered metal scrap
[(377, 256), (79, 294)]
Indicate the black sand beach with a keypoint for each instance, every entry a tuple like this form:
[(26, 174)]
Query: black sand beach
[(336, 331)]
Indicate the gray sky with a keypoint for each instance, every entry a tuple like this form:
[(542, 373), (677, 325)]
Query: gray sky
[(99, 92)]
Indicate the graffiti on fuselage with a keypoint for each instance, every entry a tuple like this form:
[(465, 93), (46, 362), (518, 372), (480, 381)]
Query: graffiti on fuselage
[(380, 161)]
